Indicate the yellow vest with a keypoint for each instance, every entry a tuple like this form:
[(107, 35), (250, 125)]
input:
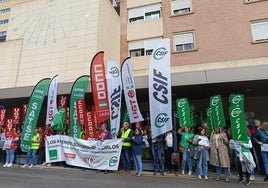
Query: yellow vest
[(35, 142), (125, 135)]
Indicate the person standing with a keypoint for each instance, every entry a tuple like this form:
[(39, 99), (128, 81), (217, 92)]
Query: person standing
[(171, 146), (156, 146), (34, 148), (246, 160), (126, 135), (137, 151), (104, 134), (202, 143), (219, 156), (11, 145), (261, 137), (185, 145), (2, 141)]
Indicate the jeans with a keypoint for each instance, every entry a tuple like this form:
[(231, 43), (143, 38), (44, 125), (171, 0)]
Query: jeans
[(31, 153), (264, 155), (157, 159), (126, 151), (186, 159), (218, 171), (202, 164), (138, 163), (10, 155)]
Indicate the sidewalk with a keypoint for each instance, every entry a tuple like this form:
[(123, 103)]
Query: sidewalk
[(211, 175)]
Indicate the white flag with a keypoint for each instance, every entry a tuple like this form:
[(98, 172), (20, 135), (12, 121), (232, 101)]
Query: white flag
[(160, 89), (114, 85), (52, 99), (130, 92)]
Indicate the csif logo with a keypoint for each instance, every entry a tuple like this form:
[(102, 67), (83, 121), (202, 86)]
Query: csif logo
[(161, 120), (160, 53), (181, 103), (215, 100), (113, 161), (236, 112), (236, 99), (114, 72)]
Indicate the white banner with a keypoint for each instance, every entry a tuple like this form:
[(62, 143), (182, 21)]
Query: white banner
[(114, 85), (93, 154), (160, 89), (130, 92), (52, 99)]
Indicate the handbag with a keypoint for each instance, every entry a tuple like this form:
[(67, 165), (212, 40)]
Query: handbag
[(175, 158), (195, 152), (7, 144), (181, 149)]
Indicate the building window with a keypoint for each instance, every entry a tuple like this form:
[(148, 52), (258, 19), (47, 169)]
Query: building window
[(144, 13), (136, 52), (184, 41), (3, 33), (181, 6), (3, 21), (2, 11), (3, 1), (260, 31), (142, 47)]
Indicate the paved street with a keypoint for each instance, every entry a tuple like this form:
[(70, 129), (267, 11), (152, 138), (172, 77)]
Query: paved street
[(69, 178)]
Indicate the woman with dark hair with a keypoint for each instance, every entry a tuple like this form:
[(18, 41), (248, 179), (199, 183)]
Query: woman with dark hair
[(202, 143), (261, 137), (137, 151)]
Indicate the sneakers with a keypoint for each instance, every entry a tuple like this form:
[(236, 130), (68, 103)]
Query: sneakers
[(217, 178), (227, 179), (252, 178), (44, 164), (154, 173), (162, 173), (241, 181), (182, 172), (138, 175), (247, 183), (31, 166), (199, 177), (9, 165), (189, 173), (25, 165), (206, 177), (5, 165)]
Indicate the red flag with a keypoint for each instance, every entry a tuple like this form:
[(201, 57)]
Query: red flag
[(24, 110), (2, 116), (16, 116), (90, 127), (62, 102), (81, 111), (99, 87), (8, 128), (67, 120)]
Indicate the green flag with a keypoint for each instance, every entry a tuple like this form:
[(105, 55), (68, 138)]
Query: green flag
[(78, 92), (217, 111), (237, 117), (209, 119), (183, 112), (58, 122), (125, 117), (193, 116), (32, 113)]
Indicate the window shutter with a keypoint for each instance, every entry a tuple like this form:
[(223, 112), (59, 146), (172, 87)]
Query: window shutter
[(152, 8), (181, 4), (135, 12), (184, 38), (135, 45), (260, 31), (150, 44)]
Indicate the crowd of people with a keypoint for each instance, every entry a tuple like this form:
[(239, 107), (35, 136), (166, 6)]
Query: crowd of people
[(192, 150), (199, 150)]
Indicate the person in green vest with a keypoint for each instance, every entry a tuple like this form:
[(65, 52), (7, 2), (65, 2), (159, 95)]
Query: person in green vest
[(126, 135), (34, 148)]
